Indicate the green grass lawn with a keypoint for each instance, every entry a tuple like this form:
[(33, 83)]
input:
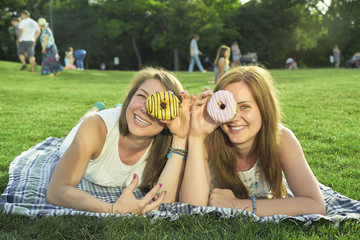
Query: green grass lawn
[(321, 106)]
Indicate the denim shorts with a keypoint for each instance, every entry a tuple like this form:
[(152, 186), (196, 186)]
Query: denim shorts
[(26, 47)]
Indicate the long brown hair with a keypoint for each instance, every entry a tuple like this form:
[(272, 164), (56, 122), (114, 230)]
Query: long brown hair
[(267, 140), (161, 142), (221, 54)]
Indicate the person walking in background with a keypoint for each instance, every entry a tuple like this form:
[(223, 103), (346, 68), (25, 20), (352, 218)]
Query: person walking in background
[(80, 55), (336, 53), (194, 55), (15, 22), (221, 64), (29, 32), (236, 54), (49, 63)]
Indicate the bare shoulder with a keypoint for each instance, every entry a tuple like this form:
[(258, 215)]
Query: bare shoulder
[(95, 123), (91, 135), (290, 148), (287, 137)]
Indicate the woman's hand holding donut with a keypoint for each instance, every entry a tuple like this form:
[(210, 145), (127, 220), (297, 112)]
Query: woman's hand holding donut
[(179, 127), (201, 123), (128, 203)]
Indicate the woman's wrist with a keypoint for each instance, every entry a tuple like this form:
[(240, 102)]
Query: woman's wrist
[(178, 147), (254, 206), (196, 142), (177, 151), (104, 207), (194, 135), (178, 142)]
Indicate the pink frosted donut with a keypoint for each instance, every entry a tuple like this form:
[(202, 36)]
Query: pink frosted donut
[(222, 106)]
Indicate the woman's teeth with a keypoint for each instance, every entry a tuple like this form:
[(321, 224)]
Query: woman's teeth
[(237, 128), (142, 121)]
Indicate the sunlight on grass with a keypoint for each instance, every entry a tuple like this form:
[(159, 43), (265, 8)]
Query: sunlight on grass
[(321, 106)]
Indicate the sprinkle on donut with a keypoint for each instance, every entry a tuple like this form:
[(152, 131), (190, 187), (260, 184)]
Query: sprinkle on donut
[(163, 105), (222, 106)]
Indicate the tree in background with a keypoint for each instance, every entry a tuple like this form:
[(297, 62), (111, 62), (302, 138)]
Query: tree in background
[(343, 23), (178, 22), (157, 32)]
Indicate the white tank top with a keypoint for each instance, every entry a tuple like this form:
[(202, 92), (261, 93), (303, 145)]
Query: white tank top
[(107, 169), (253, 181)]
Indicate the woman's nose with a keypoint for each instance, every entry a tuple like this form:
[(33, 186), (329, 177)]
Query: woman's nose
[(236, 117), (143, 108)]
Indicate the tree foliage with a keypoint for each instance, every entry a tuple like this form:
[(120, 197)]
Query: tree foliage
[(158, 32)]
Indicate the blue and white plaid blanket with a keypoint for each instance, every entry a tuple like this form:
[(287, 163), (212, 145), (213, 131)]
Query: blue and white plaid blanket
[(29, 176)]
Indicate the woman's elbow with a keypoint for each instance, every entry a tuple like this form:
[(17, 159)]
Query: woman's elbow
[(320, 209), (318, 206), (193, 201), (52, 194), (50, 198)]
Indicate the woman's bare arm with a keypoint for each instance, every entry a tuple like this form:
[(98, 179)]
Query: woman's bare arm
[(302, 182), (71, 168), (195, 186), (172, 173)]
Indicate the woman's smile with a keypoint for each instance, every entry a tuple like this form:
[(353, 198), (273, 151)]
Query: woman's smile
[(237, 128), (140, 121)]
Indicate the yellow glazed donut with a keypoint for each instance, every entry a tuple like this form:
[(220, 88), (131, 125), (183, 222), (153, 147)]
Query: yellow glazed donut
[(163, 105)]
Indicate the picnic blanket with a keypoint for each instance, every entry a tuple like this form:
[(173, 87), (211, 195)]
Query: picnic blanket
[(30, 172)]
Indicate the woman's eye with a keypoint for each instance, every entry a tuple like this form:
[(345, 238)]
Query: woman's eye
[(244, 107), (141, 95)]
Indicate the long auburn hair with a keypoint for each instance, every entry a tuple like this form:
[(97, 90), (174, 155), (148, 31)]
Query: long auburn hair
[(221, 53), (161, 142), (266, 143)]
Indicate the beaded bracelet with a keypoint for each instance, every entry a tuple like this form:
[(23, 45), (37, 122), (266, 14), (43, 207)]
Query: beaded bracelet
[(253, 199), (177, 151)]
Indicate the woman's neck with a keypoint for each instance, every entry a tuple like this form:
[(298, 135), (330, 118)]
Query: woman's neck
[(134, 143), (245, 160), (132, 148)]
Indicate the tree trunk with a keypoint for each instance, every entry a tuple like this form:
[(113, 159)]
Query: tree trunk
[(176, 60), (136, 50)]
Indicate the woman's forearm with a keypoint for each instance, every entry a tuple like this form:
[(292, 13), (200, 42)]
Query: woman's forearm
[(171, 176), (71, 197), (292, 206), (195, 186)]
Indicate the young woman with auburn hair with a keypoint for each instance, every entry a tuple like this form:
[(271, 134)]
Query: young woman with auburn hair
[(244, 163)]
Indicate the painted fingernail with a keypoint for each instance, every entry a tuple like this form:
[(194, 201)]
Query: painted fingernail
[(134, 176), (182, 92), (160, 184)]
